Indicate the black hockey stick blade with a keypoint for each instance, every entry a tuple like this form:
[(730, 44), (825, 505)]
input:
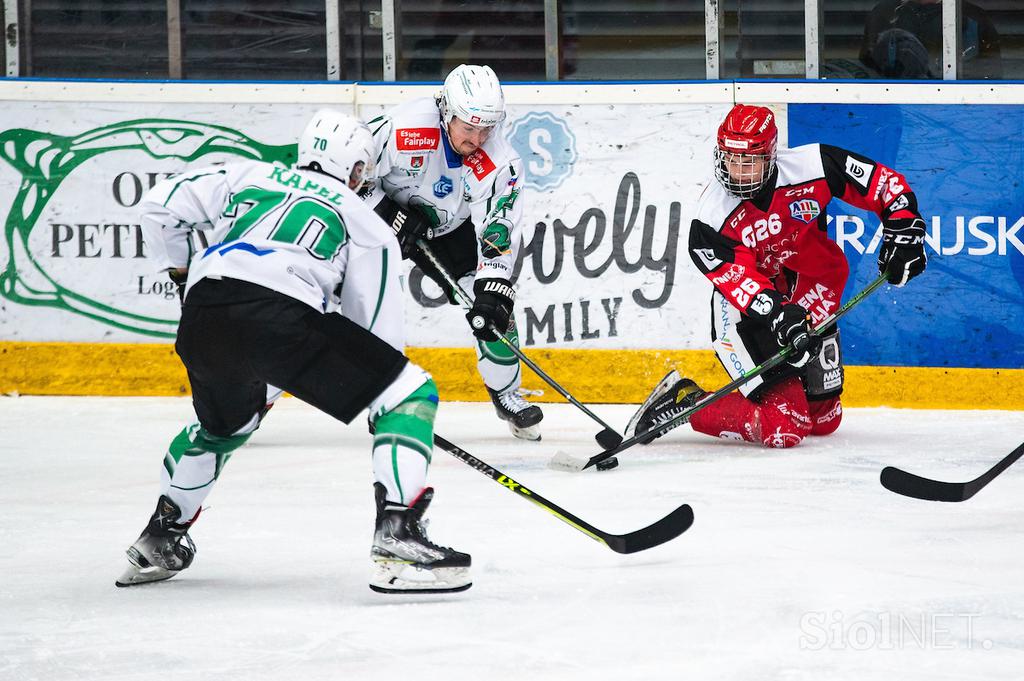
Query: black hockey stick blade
[(910, 485), (608, 439), (666, 529)]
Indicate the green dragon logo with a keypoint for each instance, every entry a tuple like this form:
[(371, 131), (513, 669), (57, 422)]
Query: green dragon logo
[(44, 161), (495, 240)]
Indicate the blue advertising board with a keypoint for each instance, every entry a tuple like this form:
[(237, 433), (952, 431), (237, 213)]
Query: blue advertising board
[(966, 166)]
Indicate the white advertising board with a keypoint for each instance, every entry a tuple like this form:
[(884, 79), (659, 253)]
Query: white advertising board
[(608, 200)]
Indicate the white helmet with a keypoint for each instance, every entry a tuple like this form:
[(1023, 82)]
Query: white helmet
[(336, 143), (473, 94)]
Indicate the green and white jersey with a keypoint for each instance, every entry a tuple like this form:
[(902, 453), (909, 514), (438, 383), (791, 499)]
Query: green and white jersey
[(298, 232), (417, 168)]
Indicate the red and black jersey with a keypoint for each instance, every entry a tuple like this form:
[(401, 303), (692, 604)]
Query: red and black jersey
[(778, 239)]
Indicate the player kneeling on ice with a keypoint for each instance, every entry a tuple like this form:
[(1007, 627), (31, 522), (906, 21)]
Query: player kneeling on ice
[(447, 176), (760, 237), (300, 290)]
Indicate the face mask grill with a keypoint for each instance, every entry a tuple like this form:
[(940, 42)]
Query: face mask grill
[(743, 175)]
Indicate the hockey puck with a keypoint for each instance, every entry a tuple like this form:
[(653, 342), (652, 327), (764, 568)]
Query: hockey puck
[(607, 464)]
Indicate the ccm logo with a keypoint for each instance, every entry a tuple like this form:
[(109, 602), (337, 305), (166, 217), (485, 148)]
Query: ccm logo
[(413, 139)]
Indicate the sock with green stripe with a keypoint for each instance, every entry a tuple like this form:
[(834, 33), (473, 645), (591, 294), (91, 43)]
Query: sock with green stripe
[(403, 442), (193, 463)]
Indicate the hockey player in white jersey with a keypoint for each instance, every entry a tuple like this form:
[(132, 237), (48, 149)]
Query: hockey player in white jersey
[(299, 289), (447, 174)]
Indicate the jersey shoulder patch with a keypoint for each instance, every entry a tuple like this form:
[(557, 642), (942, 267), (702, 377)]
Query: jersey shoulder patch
[(417, 125), (417, 139), (480, 163)]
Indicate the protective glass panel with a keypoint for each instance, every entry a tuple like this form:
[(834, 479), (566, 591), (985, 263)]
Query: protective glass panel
[(902, 39), (641, 40), (993, 42), (843, 39), (112, 39), (359, 28), (243, 40), (437, 36), (763, 39)]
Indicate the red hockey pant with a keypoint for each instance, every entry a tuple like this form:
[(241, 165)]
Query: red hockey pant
[(781, 418)]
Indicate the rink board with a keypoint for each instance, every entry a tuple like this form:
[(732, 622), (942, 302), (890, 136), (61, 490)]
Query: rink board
[(593, 376), (606, 288)]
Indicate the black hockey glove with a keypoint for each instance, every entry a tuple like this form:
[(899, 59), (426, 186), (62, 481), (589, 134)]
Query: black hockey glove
[(790, 323), (408, 225), (179, 277), (492, 307), (792, 328), (901, 256)]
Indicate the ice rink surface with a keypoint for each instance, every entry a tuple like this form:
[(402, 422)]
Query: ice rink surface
[(799, 566)]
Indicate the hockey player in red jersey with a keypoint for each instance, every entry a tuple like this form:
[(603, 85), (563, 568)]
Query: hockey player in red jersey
[(760, 237)]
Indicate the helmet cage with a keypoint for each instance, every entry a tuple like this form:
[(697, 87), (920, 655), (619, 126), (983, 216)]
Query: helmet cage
[(743, 175)]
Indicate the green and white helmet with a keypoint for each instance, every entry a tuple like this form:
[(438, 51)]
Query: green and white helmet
[(336, 143), (473, 94)]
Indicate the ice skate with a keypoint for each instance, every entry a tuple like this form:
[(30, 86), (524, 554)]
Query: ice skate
[(158, 553), (522, 417), (405, 560), (670, 398)]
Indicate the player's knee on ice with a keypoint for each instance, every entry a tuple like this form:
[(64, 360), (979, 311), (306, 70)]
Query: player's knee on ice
[(782, 419), (826, 415), (786, 424)]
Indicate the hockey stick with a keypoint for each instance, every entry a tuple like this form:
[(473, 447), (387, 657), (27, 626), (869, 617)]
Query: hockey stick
[(563, 461), (607, 438), (666, 529), (910, 485)]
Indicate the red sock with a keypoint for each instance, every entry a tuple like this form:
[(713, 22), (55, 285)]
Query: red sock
[(779, 419)]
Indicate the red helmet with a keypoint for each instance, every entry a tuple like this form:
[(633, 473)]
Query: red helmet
[(746, 150)]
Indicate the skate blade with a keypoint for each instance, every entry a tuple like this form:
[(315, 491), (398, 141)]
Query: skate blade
[(134, 576), (531, 433), (396, 578)]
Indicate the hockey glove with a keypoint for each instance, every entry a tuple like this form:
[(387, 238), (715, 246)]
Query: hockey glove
[(408, 225), (901, 256), (179, 277), (492, 307), (790, 323)]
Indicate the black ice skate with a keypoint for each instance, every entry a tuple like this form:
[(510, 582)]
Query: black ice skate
[(405, 560), (522, 416), (672, 396), (158, 553)]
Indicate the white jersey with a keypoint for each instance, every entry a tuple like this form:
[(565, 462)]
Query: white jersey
[(301, 233), (418, 169)]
